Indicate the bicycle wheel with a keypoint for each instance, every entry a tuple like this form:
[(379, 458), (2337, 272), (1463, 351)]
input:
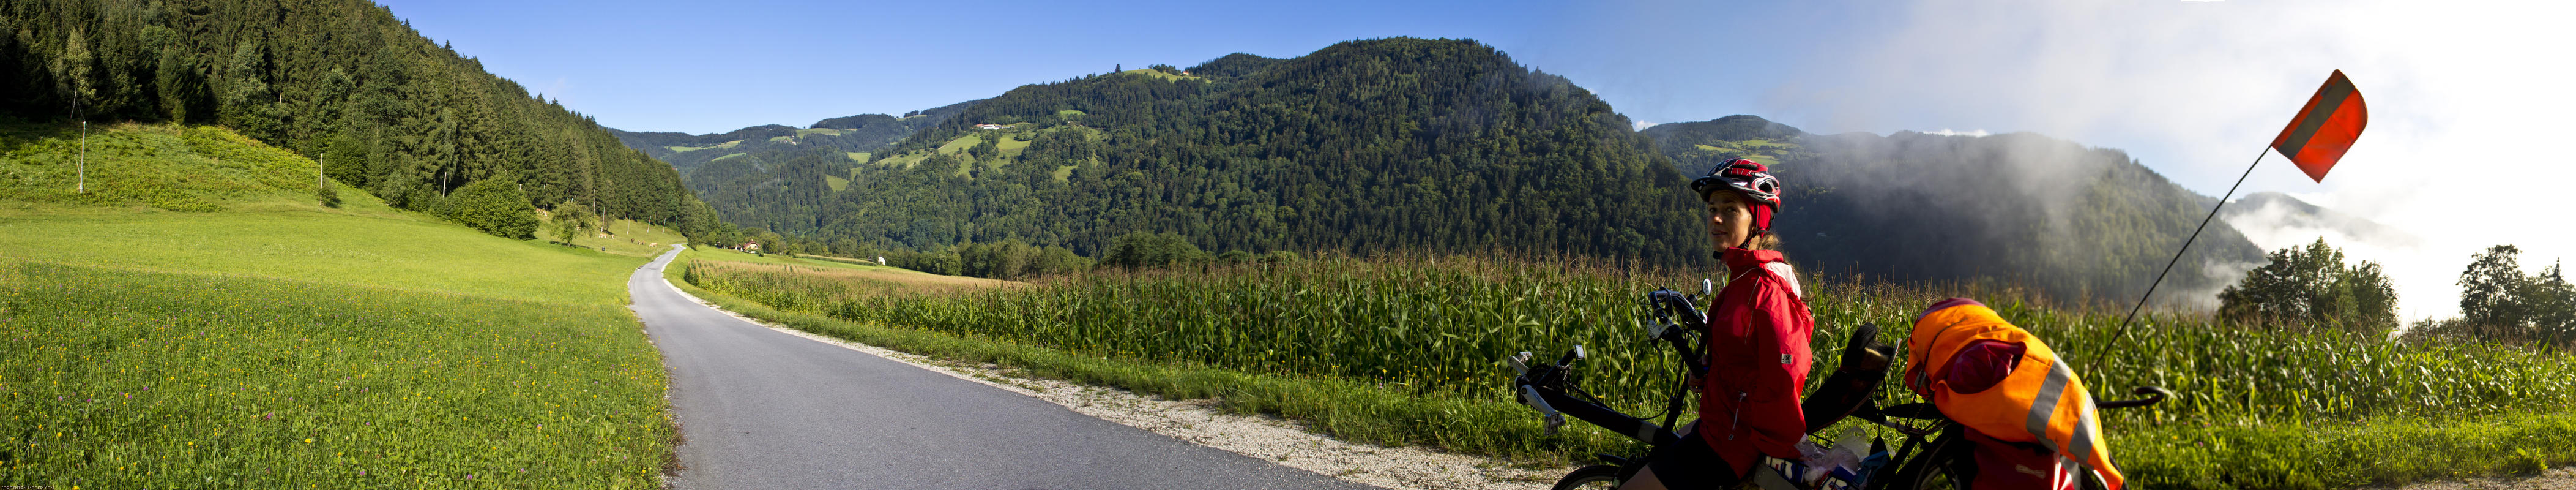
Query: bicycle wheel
[(1945, 464), (1945, 476), (1595, 477)]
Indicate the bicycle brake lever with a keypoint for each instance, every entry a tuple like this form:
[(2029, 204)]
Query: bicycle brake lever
[(1554, 419)]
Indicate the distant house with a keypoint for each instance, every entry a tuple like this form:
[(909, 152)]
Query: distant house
[(990, 126), (750, 246)]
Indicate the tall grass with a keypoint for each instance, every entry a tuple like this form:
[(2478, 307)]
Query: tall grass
[(1441, 325), (1406, 350)]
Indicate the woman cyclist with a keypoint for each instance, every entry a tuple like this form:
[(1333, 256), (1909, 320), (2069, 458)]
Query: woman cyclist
[(1758, 328)]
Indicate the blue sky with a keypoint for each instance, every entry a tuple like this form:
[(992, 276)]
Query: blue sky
[(2458, 148)]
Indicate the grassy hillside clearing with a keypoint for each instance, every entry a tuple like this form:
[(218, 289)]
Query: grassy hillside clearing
[(960, 144), (1406, 351), (1160, 74), (168, 167), (1011, 143), (283, 344), (1011, 146), (838, 184), (718, 146), (906, 160)]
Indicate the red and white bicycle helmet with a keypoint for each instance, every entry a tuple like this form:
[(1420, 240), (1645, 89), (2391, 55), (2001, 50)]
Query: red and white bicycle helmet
[(1747, 178)]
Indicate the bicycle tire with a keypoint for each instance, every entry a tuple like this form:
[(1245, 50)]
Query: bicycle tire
[(1588, 476), (1946, 464)]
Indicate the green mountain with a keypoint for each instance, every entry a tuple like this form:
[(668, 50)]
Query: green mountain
[(2078, 223), (1363, 146), (850, 135), (345, 81)]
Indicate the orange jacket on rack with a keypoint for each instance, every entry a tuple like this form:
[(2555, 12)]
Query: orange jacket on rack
[(2039, 401)]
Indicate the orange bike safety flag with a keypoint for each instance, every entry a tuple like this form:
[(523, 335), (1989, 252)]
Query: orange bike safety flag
[(2325, 128)]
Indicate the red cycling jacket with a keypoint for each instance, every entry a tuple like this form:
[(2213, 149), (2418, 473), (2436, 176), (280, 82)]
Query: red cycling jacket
[(1758, 358)]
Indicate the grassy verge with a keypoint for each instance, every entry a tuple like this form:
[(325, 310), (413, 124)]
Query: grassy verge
[(2263, 407), (2346, 455)]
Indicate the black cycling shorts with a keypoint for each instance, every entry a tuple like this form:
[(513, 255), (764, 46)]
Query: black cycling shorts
[(1691, 463)]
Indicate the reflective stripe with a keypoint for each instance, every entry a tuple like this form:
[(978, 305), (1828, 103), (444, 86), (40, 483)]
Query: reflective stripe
[(2070, 470), (2045, 407), (2080, 448), (2328, 100)]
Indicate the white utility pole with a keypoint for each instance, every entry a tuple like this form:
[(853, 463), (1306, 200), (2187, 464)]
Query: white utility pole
[(80, 182)]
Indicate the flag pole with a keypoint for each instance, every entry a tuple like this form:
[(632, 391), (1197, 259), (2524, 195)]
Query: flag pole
[(2122, 332)]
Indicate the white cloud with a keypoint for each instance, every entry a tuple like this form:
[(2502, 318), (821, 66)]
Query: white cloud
[(1951, 132), (1641, 125), (2467, 101)]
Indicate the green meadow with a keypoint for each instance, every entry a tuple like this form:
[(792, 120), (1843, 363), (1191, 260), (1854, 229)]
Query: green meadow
[(198, 320)]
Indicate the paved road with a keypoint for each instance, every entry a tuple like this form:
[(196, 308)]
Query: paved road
[(760, 409)]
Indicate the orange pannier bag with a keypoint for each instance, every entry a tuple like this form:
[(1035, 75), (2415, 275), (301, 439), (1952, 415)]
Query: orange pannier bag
[(2039, 402)]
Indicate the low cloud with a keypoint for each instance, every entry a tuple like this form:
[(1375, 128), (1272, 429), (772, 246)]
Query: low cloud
[(1641, 125), (1953, 132), (2456, 152), (2277, 225)]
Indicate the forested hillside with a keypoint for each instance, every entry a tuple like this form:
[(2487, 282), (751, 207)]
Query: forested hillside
[(2078, 223), (341, 80), (1364, 146), (848, 135)]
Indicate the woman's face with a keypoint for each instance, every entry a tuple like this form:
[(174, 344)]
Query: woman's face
[(1729, 221)]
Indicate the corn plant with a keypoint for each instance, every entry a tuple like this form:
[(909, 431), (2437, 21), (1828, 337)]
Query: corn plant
[(1440, 325)]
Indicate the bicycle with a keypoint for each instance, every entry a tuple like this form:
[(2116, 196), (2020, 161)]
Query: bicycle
[(1934, 455)]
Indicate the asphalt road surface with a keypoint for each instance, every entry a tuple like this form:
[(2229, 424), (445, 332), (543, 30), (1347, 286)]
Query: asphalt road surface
[(761, 409)]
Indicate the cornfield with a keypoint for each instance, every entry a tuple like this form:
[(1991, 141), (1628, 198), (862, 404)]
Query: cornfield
[(1441, 325)]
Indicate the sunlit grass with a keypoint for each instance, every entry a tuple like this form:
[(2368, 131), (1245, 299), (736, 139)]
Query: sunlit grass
[(125, 379), (262, 340)]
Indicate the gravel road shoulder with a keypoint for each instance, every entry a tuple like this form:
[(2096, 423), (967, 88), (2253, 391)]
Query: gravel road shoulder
[(2553, 479)]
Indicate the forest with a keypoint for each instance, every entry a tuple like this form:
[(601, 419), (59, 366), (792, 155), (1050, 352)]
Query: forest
[(1362, 147), (385, 108)]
